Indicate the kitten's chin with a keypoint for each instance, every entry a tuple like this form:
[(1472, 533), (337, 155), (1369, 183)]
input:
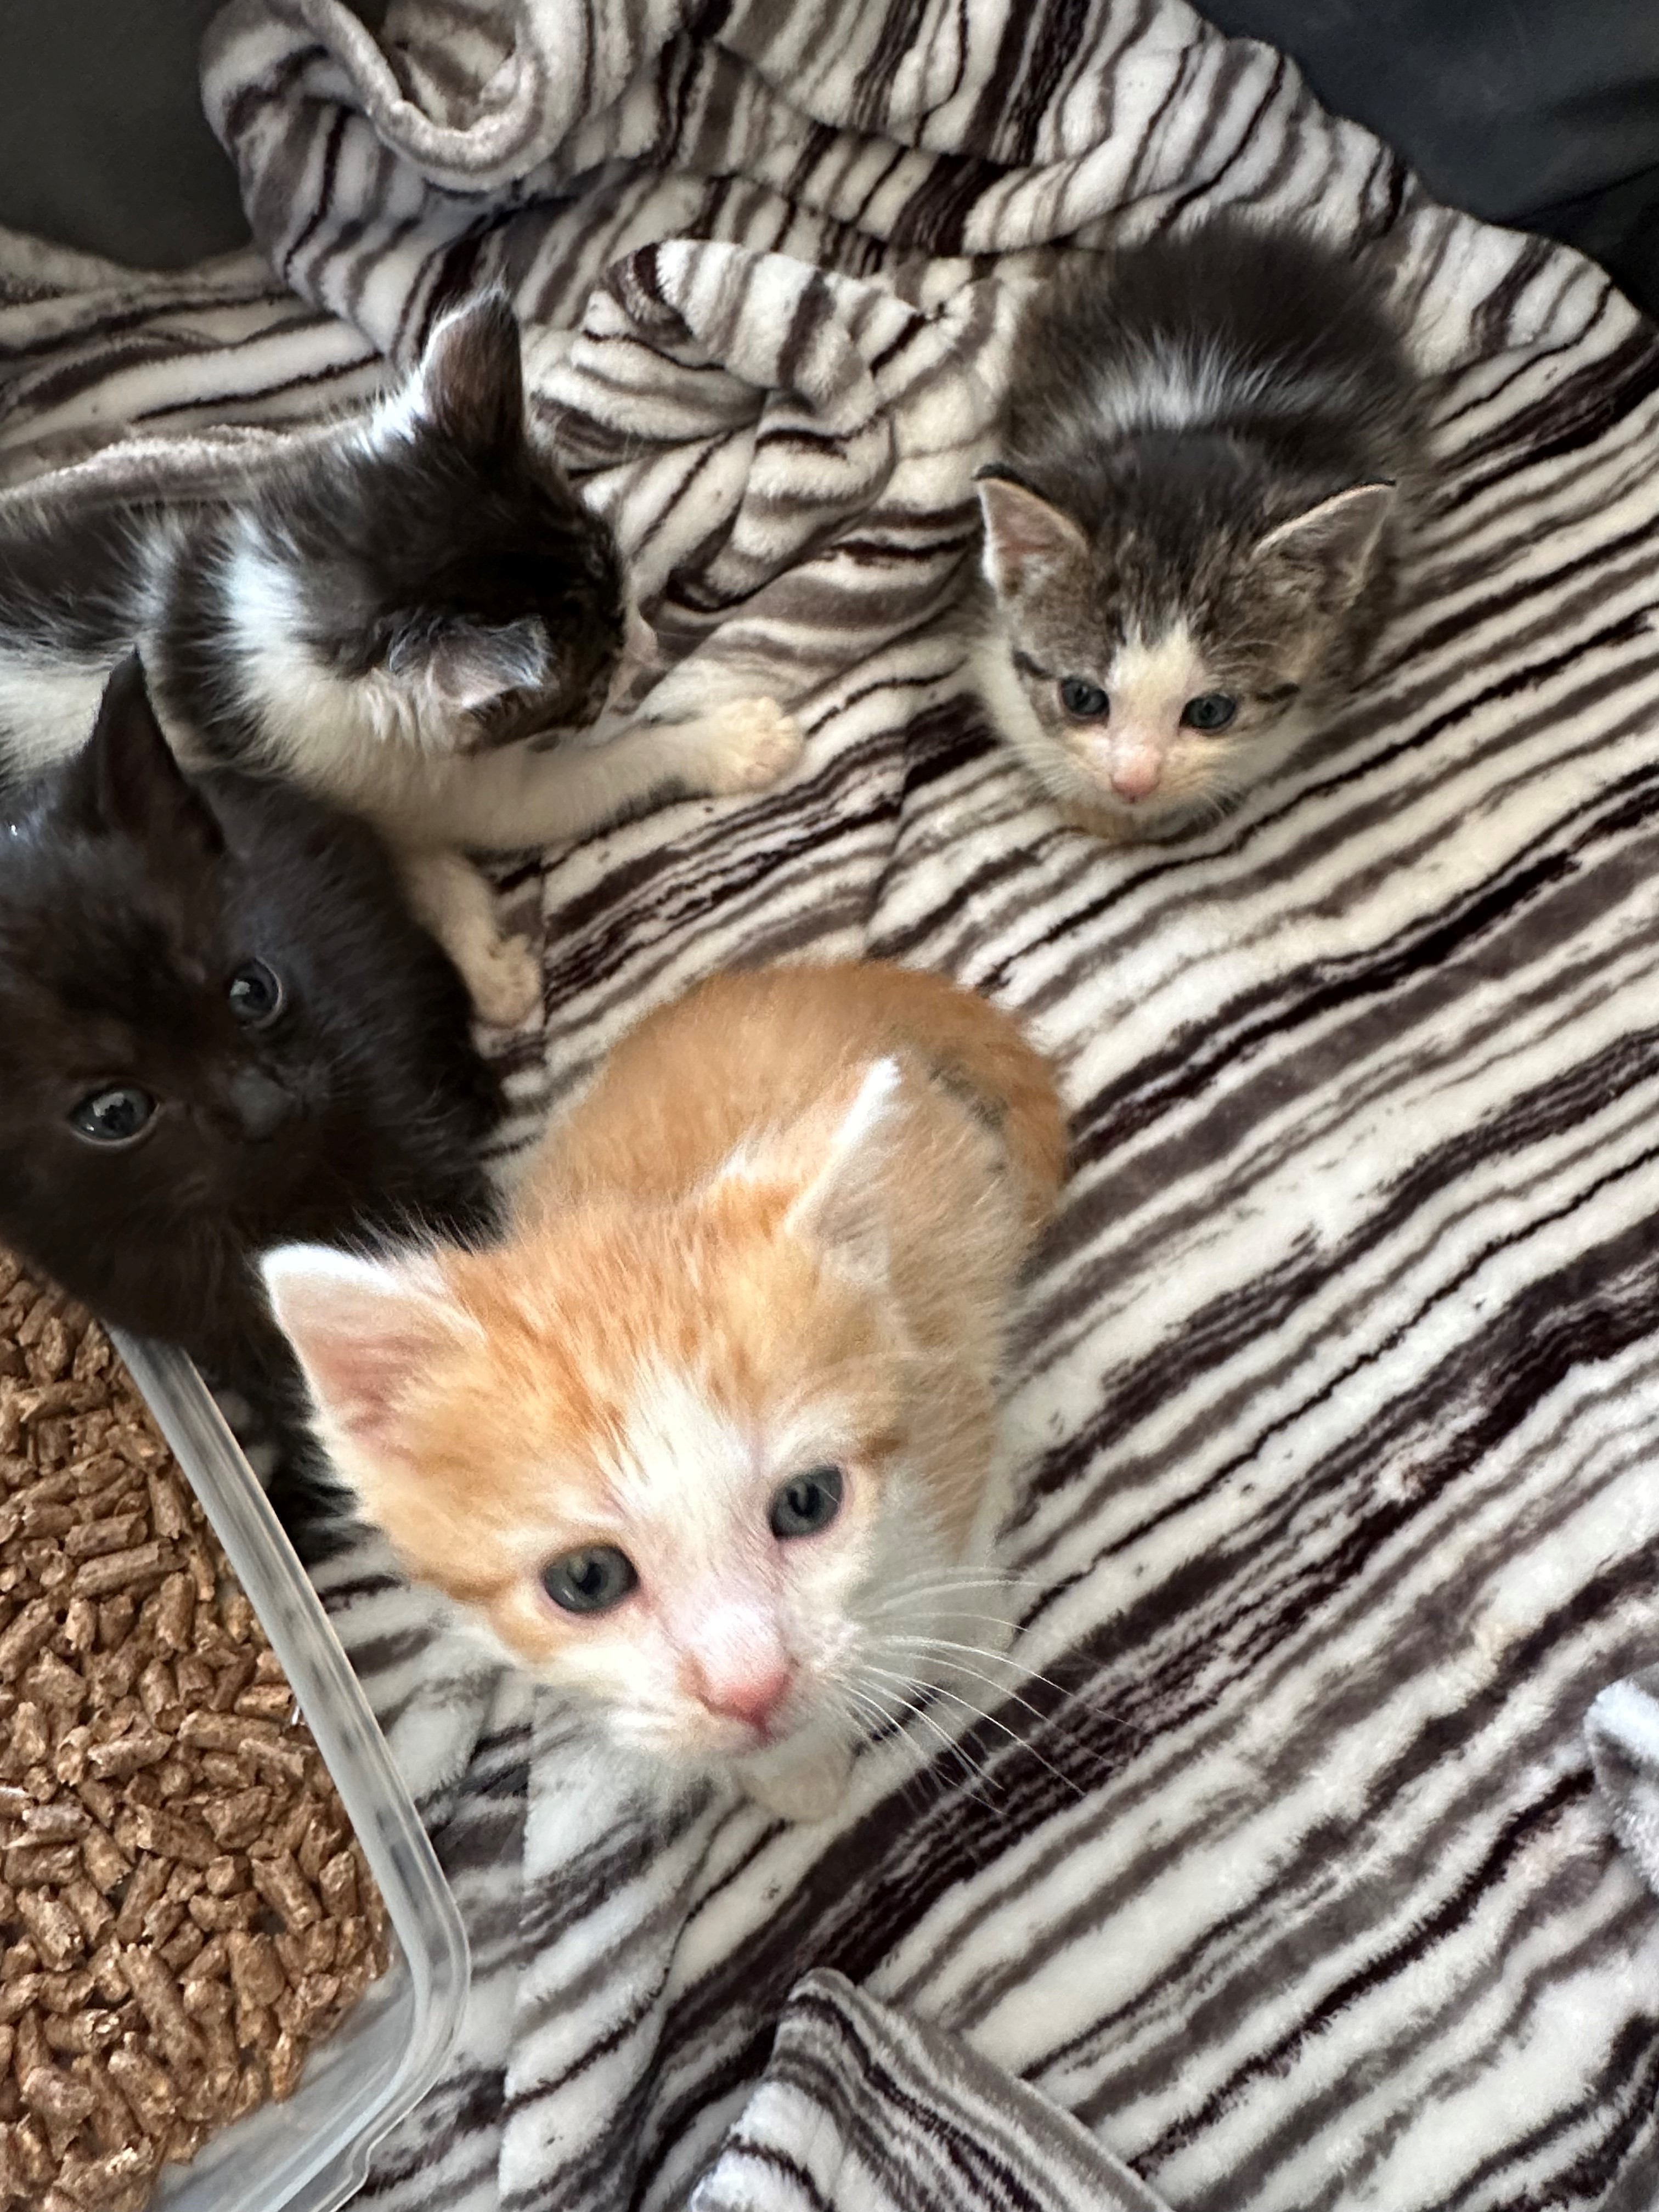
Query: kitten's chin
[(807, 1784), (1143, 824), (799, 1775)]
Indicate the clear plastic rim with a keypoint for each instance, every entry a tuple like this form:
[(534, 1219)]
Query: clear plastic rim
[(418, 1902)]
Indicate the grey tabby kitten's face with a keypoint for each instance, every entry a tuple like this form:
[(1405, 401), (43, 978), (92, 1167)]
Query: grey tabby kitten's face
[(1140, 690)]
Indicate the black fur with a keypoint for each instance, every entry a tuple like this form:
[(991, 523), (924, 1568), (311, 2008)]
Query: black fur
[(129, 896), (458, 545)]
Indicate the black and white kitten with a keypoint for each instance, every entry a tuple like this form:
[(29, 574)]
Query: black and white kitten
[(1209, 448), (402, 613), (219, 1028)]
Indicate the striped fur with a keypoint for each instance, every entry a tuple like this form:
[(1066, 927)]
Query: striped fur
[(1337, 1390)]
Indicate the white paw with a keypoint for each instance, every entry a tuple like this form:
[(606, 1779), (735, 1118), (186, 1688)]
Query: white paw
[(753, 744), (504, 979)]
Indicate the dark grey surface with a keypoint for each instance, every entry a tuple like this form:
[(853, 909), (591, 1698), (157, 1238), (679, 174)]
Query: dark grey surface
[(103, 143), (1543, 114)]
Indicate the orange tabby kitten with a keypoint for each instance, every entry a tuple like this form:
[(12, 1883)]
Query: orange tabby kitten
[(710, 1435)]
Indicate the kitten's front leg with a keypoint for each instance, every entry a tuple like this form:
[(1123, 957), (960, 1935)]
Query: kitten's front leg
[(505, 802), (512, 801), (456, 903)]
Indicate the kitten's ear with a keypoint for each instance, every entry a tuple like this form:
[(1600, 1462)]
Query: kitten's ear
[(125, 782), (362, 1330), (843, 1207), (1025, 538), (471, 379), (1334, 540), (469, 663)]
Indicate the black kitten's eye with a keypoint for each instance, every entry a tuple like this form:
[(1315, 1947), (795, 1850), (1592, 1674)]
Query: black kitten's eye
[(1085, 700), (591, 1580), (255, 994), (114, 1116), (807, 1503), (1213, 711)]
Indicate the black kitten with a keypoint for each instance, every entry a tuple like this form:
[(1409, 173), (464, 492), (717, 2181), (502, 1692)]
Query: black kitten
[(390, 612), (1210, 444), (219, 1028)]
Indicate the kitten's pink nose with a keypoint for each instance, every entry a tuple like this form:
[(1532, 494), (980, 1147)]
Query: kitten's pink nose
[(751, 1693), (1135, 774)]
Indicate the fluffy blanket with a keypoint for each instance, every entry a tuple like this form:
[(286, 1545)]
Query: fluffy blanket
[(1284, 1879)]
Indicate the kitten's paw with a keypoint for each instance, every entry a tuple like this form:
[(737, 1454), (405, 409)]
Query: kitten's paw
[(450, 898), (750, 744), (504, 979), (808, 1791)]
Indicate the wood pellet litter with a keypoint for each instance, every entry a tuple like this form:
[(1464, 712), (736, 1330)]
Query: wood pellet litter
[(183, 1909)]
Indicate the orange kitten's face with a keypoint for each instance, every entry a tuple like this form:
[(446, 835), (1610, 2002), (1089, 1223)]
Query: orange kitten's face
[(667, 1498), (663, 1453)]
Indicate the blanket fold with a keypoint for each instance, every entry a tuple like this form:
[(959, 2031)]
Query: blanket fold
[(863, 2109)]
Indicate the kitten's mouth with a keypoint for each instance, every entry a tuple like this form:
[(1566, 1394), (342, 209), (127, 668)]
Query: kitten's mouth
[(1130, 777), (742, 1736), (747, 1737)]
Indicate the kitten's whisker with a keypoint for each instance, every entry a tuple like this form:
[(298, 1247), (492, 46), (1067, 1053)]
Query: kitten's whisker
[(848, 1693), (914, 1590), (894, 1644), (1002, 1689), (897, 1724), (960, 1612), (913, 1638), (910, 1711), (977, 1777), (960, 1579), (1071, 1694), (994, 1721), (850, 1703), (1014, 1736)]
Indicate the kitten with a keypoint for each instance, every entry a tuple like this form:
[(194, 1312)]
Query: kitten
[(401, 613), (1192, 527), (219, 1028), (710, 1437)]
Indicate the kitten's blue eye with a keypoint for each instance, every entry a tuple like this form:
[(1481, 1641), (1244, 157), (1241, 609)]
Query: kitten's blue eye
[(591, 1580), (1213, 711), (1085, 700), (114, 1116), (255, 994), (808, 1503)]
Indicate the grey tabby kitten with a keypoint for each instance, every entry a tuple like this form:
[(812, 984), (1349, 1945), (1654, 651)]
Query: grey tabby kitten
[(1206, 455)]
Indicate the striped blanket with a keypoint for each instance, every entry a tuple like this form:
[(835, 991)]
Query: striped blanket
[(1285, 1880)]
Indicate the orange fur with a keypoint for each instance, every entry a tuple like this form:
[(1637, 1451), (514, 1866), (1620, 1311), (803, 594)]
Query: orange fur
[(780, 1231)]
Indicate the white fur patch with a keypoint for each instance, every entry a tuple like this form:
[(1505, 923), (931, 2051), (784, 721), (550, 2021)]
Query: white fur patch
[(47, 708), (869, 1110), (343, 735), (398, 419), (681, 1459), (1177, 385), (1149, 684)]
